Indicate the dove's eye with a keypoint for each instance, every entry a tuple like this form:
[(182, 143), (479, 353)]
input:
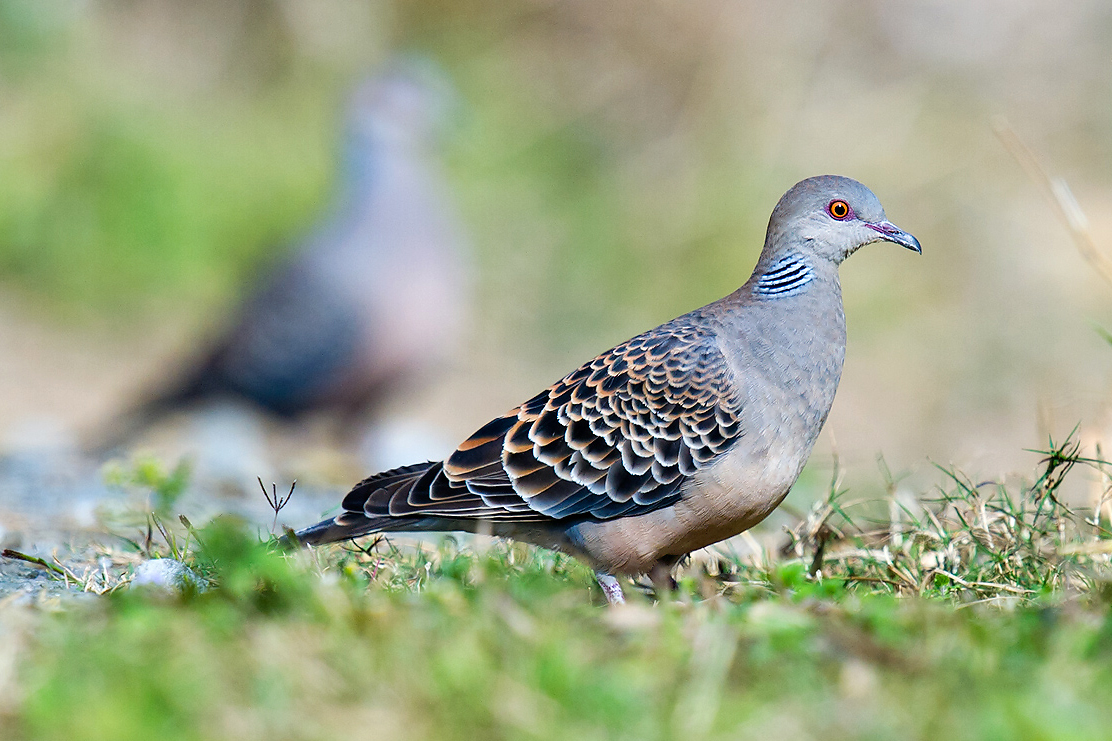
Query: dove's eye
[(840, 210)]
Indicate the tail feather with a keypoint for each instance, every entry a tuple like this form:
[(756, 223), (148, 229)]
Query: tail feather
[(354, 523), (382, 486), (344, 527), (350, 525)]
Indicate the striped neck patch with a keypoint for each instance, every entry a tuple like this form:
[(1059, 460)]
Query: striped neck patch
[(786, 276)]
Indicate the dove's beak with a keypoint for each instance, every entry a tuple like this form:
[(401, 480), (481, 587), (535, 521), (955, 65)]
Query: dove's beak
[(889, 232)]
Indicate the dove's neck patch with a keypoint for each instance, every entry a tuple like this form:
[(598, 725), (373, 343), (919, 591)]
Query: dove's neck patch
[(784, 277)]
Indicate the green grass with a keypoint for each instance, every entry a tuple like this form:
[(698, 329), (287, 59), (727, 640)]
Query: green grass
[(510, 641), (133, 199), (514, 644)]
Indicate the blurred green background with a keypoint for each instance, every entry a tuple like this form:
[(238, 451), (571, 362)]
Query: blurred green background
[(615, 164)]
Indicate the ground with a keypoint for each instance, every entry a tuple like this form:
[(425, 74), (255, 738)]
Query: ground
[(984, 613)]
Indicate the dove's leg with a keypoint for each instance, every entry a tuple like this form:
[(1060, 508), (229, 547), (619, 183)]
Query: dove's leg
[(611, 588), (661, 576)]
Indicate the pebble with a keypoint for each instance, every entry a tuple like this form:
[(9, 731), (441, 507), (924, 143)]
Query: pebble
[(167, 575)]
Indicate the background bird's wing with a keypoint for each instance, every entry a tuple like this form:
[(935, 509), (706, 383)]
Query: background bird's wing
[(617, 436), (292, 339), (287, 344)]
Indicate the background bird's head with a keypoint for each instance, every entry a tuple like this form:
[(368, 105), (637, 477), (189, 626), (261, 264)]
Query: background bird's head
[(407, 104), (831, 217)]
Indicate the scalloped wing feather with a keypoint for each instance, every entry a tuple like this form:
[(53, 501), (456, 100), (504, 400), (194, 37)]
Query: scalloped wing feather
[(617, 436)]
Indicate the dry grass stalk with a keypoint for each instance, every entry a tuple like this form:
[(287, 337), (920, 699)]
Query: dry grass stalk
[(1060, 197), (981, 541)]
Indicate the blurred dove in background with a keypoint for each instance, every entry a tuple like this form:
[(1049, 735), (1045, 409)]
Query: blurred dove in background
[(375, 296)]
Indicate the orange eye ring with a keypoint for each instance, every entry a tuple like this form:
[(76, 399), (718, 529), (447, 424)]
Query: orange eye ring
[(840, 210)]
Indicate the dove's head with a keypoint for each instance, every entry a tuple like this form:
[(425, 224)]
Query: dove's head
[(406, 103), (830, 217)]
